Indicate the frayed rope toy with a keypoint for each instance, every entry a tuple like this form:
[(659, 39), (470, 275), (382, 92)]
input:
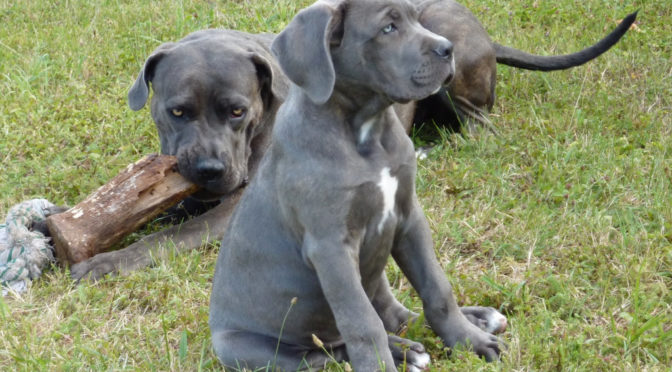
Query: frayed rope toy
[(23, 253)]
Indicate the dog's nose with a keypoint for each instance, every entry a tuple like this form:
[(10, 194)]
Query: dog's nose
[(444, 49), (209, 169)]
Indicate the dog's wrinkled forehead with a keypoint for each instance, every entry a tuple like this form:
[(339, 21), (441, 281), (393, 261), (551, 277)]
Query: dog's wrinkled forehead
[(372, 4), (372, 12), (198, 70), (207, 66), (382, 6)]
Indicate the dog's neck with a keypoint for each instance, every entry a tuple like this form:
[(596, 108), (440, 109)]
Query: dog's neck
[(363, 111)]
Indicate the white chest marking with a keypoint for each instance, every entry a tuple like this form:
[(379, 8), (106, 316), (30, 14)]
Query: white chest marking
[(388, 186), (365, 129)]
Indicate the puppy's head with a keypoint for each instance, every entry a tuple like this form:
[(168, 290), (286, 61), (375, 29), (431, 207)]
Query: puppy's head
[(210, 96), (375, 44)]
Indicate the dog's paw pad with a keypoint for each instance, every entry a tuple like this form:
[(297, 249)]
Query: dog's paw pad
[(417, 362), (409, 353), (422, 152), (496, 323), (486, 318)]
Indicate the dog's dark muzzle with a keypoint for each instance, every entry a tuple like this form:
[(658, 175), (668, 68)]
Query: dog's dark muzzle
[(438, 66), (208, 171), (215, 178)]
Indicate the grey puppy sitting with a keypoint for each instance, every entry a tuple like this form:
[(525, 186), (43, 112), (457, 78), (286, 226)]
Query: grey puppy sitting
[(333, 198)]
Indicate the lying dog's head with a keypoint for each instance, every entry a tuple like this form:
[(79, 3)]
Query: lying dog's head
[(378, 44), (212, 92)]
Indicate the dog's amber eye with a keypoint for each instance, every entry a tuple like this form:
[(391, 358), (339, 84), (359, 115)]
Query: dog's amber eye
[(177, 112), (237, 112), (389, 28)]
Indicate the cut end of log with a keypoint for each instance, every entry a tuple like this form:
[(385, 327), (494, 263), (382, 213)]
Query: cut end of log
[(136, 195)]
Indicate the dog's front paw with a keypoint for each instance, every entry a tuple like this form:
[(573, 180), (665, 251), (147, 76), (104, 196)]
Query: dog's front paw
[(459, 331), (485, 318), (122, 261), (409, 353), (95, 267)]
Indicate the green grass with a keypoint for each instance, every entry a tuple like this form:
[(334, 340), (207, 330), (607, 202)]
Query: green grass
[(563, 221)]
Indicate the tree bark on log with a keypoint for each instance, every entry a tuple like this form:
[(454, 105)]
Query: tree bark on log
[(136, 195)]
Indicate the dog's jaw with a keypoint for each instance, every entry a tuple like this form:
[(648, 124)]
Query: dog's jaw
[(203, 194)]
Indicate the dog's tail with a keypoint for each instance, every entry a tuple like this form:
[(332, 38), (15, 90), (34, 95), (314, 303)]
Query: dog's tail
[(517, 58)]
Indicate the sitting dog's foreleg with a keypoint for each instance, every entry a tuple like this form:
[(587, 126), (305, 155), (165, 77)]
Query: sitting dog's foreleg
[(396, 316), (393, 314), (356, 319), (415, 256)]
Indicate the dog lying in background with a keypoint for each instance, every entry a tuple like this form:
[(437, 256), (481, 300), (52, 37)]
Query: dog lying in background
[(470, 96)]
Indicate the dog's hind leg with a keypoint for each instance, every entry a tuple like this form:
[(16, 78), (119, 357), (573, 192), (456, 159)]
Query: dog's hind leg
[(240, 349), (409, 354), (393, 314), (471, 116), (453, 112)]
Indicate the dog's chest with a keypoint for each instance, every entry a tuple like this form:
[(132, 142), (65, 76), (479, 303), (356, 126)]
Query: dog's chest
[(376, 212), (378, 207), (387, 186)]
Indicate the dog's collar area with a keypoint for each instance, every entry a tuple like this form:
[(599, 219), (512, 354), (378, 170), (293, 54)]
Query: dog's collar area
[(206, 196), (365, 130), (362, 110)]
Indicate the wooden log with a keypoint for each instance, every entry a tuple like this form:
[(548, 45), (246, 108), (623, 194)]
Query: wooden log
[(132, 198)]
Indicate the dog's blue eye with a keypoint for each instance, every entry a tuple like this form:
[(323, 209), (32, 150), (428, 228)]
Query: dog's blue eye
[(389, 28)]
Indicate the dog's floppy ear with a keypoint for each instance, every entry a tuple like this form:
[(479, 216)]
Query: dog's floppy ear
[(139, 92), (303, 48), (266, 80)]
